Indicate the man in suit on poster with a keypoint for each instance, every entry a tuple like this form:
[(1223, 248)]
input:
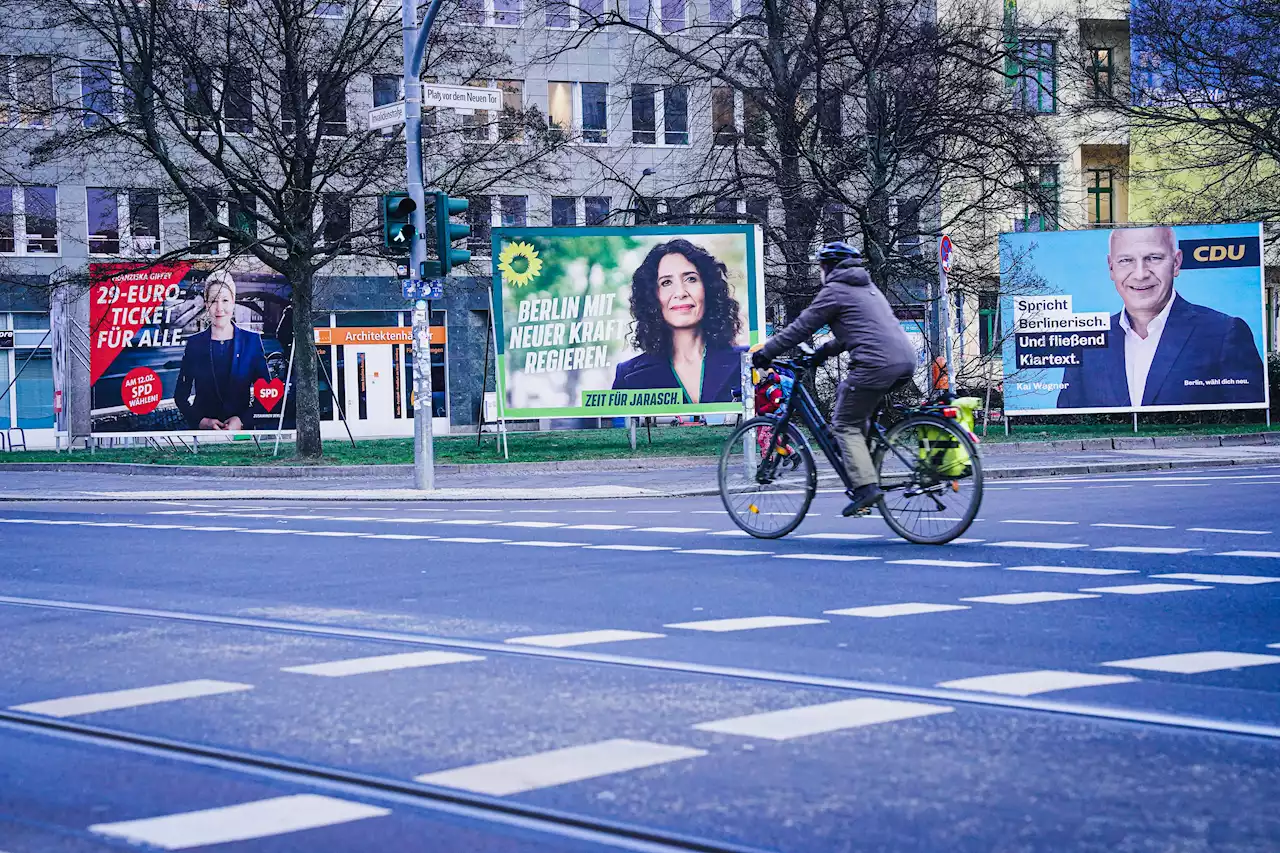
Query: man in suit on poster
[(1160, 346)]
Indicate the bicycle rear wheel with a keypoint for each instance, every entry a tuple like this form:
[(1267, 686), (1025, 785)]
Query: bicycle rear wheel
[(767, 492), (932, 479)]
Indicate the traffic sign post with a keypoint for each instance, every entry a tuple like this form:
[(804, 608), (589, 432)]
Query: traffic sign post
[(946, 253)]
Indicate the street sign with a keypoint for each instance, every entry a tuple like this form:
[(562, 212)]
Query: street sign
[(945, 252), (435, 289), (402, 270), (409, 289), (418, 289), (386, 116), (461, 98)]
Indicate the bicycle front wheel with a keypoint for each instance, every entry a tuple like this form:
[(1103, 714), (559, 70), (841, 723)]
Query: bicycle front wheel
[(767, 486), (932, 478)]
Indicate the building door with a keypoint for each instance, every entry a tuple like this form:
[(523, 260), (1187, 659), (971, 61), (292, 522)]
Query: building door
[(369, 390)]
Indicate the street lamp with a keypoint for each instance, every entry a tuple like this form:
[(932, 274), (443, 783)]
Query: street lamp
[(635, 194)]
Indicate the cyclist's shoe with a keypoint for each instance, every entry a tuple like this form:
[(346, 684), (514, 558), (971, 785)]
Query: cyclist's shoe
[(863, 498)]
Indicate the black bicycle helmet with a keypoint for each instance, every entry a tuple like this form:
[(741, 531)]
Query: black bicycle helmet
[(838, 251)]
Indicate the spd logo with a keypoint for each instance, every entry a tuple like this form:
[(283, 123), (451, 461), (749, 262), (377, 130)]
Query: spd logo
[(1222, 252), (268, 394)]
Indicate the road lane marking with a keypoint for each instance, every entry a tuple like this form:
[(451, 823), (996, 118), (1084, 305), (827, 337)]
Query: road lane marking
[(583, 638), (884, 611), (1060, 546), (114, 700), (728, 533), (722, 552), (529, 511), (380, 663), (745, 623), (470, 540), (833, 558), (535, 524), (952, 564), (1243, 580), (630, 547), (547, 543), (598, 527), (1028, 597), (1273, 555), (652, 511), (266, 530), (671, 530), (1145, 549), (850, 537), (402, 536), (472, 522), (1146, 588), (1037, 521), (242, 822), (1135, 526), (1072, 570), (1229, 530), (338, 533), (820, 719), (1034, 682), (1194, 663), (559, 767)]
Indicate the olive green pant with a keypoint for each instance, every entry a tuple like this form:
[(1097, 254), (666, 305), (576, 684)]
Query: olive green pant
[(850, 422)]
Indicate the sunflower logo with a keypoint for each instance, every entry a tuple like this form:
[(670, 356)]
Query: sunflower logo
[(519, 263)]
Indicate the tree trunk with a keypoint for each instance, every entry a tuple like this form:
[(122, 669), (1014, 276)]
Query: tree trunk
[(306, 387)]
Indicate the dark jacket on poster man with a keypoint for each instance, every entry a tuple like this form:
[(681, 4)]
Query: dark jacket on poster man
[(863, 323), (1197, 343), (721, 374), (220, 395)]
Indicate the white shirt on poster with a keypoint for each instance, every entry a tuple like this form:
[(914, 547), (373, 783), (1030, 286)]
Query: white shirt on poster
[(1140, 352)]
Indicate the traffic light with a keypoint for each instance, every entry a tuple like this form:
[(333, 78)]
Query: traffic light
[(397, 222), (447, 232)]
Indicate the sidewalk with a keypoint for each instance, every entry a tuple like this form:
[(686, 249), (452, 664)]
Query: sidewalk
[(600, 479)]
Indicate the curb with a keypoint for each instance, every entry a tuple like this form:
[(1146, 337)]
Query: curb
[(598, 492)]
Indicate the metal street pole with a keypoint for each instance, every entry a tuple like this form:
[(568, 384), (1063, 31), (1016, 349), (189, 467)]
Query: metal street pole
[(415, 43)]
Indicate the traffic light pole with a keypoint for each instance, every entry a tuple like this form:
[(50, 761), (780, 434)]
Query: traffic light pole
[(415, 44)]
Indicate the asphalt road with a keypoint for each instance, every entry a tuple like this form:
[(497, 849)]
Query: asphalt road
[(1093, 668)]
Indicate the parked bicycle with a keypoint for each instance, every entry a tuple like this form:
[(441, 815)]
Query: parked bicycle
[(929, 465)]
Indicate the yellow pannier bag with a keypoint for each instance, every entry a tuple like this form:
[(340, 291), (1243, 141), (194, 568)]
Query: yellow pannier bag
[(943, 451)]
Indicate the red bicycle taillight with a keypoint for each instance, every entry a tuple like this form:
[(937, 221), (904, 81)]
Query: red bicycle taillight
[(950, 412)]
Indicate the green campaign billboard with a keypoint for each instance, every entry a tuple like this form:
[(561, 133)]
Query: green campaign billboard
[(613, 321)]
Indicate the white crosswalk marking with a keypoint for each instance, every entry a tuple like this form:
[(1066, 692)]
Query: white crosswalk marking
[(819, 719), (402, 536), (1242, 580), (114, 700), (242, 822), (1072, 570), (1229, 530), (1028, 597), (536, 524), (851, 537), (885, 611), (1193, 663), (334, 533), (598, 527), (946, 564), (745, 623), (1146, 588), (722, 552), (583, 638), (380, 663), (559, 767), (834, 558), (1274, 555), (630, 547), (470, 540), (1034, 682), (1135, 526), (1145, 549), (728, 533), (1052, 546), (471, 522), (547, 543), (1038, 521), (671, 530)]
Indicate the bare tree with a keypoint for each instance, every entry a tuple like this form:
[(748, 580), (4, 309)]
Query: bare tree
[(242, 112)]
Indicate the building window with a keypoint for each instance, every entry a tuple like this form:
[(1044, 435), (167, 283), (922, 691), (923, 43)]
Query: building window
[(724, 128), (644, 116), (480, 218), (678, 210), (754, 122), (989, 331), (559, 15), (830, 116), (585, 105), (123, 222), (595, 114), (201, 217), (564, 212), (336, 218), (237, 100), (1101, 72), (513, 210), (597, 210), (26, 90), (758, 210), (727, 209), (29, 220), (732, 11), (675, 115), (29, 401), (492, 13), (833, 222), (9, 239), (242, 215), (1101, 196), (1040, 202), (512, 119), (387, 89), (674, 15), (97, 94), (1037, 80), (906, 225), (331, 94), (198, 97), (639, 11)]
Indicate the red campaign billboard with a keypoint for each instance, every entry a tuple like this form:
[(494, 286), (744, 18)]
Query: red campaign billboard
[(180, 348)]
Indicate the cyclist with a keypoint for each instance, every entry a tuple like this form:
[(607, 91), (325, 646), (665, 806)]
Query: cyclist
[(882, 357)]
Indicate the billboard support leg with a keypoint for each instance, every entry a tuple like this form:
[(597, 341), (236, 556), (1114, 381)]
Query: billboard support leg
[(1006, 422), (1135, 422), (631, 433), (284, 401)]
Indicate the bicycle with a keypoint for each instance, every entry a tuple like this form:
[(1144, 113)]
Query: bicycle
[(928, 464)]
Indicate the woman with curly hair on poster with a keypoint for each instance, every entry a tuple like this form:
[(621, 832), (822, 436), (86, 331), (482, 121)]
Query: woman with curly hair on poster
[(686, 324)]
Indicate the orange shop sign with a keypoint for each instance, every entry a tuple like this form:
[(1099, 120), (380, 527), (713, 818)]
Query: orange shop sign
[(373, 335)]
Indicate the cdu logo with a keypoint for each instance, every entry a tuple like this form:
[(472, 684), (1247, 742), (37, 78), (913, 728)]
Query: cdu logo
[(1222, 252)]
